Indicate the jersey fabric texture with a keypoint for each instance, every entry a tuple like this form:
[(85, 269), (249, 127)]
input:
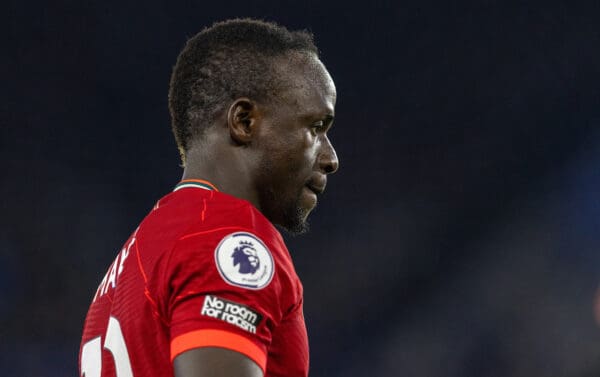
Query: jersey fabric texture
[(203, 269)]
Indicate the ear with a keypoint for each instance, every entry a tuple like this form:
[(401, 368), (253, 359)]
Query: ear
[(242, 120)]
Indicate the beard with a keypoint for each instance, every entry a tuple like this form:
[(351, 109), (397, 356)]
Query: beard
[(285, 213), (280, 203), (296, 218)]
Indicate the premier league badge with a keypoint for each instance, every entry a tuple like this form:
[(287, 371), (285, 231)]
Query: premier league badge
[(243, 260)]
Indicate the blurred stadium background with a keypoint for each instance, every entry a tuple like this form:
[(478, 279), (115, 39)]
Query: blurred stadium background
[(459, 238)]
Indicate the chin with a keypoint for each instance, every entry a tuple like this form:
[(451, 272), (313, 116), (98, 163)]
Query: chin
[(296, 222), (289, 214), (297, 229)]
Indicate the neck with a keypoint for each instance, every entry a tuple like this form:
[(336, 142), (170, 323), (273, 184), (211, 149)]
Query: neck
[(235, 179)]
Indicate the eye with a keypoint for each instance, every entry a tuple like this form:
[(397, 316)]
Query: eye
[(322, 125), (318, 126)]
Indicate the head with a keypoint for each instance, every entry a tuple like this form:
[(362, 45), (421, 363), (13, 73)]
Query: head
[(265, 101)]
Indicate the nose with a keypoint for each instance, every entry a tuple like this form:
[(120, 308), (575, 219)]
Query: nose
[(328, 160)]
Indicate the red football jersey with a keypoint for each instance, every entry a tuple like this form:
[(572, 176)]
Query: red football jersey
[(203, 269)]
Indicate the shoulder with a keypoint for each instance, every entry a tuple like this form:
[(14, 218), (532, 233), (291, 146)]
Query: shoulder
[(219, 215), (192, 220), (190, 210), (197, 230)]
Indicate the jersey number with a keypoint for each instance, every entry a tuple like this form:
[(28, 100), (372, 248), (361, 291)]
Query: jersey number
[(91, 353)]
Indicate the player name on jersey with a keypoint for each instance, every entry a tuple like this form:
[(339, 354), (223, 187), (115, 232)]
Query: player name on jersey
[(115, 270), (231, 312)]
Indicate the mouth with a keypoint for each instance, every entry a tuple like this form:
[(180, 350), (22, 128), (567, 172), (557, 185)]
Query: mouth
[(316, 188)]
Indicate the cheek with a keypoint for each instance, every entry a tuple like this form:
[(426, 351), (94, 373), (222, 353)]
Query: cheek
[(303, 150), (296, 153), (288, 162)]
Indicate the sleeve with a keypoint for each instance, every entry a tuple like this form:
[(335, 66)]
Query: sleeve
[(223, 291)]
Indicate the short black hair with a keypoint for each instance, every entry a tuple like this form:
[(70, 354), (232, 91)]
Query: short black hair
[(228, 60)]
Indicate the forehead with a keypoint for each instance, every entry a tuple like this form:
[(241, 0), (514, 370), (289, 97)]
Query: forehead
[(306, 84)]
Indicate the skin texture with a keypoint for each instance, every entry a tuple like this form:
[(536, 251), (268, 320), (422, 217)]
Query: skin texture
[(275, 154)]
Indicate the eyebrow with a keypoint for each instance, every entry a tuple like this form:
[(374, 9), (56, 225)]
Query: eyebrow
[(326, 118)]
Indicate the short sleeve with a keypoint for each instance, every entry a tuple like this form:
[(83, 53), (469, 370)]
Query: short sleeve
[(222, 290)]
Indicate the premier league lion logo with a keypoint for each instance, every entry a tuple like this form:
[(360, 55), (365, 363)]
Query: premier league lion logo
[(246, 256)]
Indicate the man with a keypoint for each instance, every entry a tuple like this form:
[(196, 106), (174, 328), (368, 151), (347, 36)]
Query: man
[(205, 286)]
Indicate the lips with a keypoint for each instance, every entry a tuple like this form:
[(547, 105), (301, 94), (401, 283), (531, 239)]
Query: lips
[(317, 185)]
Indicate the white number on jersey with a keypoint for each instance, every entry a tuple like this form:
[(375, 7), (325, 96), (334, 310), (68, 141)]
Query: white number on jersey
[(91, 353)]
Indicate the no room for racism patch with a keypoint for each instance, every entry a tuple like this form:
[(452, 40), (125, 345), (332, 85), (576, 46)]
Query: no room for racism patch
[(231, 312)]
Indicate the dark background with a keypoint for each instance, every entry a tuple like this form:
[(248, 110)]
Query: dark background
[(459, 238)]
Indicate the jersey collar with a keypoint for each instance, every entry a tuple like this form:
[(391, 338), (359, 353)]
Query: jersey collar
[(199, 183)]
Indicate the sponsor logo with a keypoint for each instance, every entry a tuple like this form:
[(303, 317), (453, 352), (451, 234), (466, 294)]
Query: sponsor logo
[(228, 311), (243, 260)]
